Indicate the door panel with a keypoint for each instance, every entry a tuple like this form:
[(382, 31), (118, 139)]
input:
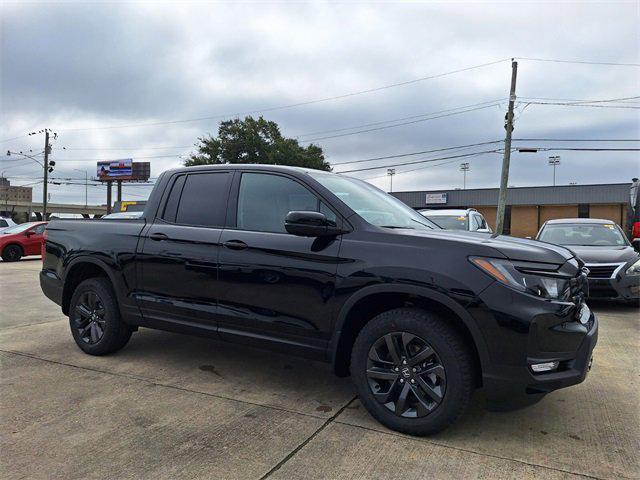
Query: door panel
[(178, 280), (279, 286), (33, 243), (276, 288)]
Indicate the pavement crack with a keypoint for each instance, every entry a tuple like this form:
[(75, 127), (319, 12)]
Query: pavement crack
[(292, 453)]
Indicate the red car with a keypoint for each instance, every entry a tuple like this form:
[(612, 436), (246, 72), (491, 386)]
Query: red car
[(21, 240)]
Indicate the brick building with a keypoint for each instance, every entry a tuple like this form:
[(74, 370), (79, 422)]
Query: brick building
[(529, 207), (12, 194)]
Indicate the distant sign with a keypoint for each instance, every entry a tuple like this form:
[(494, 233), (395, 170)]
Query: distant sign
[(434, 198), (123, 170), (115, 170)]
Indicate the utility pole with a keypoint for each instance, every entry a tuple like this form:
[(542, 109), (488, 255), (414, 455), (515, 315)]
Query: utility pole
[(464, 168), (554, 161), (504, 179), (391, 172), (46, 175)]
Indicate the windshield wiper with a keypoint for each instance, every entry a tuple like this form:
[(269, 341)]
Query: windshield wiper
[(396, 226)]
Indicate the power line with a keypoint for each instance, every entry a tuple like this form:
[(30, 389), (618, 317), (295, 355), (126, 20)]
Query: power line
[(566, 104), (419, 153), (584, 62), (496, 101), (418, 161), (574, 140), (399, 124), (292, 105)]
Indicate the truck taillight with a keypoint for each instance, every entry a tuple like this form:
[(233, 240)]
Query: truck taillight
[(635, 232), (43, 247)]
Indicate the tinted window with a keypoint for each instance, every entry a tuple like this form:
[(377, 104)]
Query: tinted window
[(3, 223), (171, 207), (264, 201), (203, 200)]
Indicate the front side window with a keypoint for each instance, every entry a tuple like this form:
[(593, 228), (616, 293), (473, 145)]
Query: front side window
[(603, 235), (265, 200), (39, 230), (203, 201), (3, 223), (372, 204)]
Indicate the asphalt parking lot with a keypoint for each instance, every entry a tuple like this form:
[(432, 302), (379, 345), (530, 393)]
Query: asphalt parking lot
[(171, 406)]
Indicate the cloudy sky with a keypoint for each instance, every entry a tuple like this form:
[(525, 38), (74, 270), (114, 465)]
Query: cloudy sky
[(145, 80)]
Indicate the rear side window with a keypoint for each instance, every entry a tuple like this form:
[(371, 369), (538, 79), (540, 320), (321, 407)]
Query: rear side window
[(3, 223), (203, 200), (171, 207), (264, 201)]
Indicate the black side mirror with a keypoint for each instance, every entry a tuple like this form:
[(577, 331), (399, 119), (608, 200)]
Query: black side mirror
[(310, 224)]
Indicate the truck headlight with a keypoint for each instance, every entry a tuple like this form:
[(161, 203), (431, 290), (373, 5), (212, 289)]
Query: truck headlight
[(540, 283), (634, 269)]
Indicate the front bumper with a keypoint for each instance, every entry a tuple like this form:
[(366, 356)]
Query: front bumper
[(621, 287), (521, 330)]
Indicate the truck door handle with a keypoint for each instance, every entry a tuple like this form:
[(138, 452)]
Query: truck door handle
[(235, 244), (158, 237)]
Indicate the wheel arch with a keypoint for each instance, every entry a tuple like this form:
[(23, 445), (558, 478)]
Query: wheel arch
[(79, 270), (365, 304)]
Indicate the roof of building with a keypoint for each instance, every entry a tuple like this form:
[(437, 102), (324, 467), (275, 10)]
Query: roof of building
[(542, 195)]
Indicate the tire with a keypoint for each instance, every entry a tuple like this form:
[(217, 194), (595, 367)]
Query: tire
[(12, 253), (446, 374), (96, 324)]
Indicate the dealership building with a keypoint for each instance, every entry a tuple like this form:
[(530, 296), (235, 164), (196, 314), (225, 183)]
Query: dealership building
[(529, 207)]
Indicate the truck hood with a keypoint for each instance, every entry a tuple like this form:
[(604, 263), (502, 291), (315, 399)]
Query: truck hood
[(512, 248), (589, 254)]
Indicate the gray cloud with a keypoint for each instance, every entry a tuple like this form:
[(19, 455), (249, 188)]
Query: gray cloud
[(73, 65)]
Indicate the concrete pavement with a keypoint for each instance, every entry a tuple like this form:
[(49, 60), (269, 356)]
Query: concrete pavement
[(171, 406)]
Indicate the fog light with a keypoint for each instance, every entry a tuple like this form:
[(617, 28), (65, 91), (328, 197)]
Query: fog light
[(544, 367)]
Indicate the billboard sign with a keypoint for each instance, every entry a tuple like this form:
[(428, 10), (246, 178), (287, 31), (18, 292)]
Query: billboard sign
[(115, 170), (435, 198)]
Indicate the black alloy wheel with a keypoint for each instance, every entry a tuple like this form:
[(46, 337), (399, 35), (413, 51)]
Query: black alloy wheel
[(405, 375), (12, 253), (89, 317)]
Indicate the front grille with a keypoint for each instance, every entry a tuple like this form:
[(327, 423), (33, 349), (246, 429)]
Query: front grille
[(602, 270)]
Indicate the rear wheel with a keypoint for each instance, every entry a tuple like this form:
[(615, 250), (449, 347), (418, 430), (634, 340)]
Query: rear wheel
[(412, 371), (95, 320), (12, 253)]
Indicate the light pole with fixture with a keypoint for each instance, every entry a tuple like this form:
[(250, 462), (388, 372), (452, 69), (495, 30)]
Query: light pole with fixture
[(464, 168), (391, 172), (555, 160)]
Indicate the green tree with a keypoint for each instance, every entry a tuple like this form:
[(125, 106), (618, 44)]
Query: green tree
[(255, 141)]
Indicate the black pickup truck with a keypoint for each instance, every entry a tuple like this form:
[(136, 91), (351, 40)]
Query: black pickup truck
[(330, 268)]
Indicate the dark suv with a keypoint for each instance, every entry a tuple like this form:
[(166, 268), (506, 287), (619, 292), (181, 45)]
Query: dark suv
[(331, 268)]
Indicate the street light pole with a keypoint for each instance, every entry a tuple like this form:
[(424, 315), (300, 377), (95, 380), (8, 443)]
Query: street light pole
[(554, 161), (391, 172), (464, 168)]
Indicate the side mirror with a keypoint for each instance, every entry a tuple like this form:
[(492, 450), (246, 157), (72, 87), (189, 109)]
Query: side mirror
[(310, 224)]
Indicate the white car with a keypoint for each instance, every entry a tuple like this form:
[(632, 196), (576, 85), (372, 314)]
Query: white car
[(458, 219), (6, 222)]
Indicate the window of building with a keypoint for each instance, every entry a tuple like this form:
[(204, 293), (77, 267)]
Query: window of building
[(583, 210)]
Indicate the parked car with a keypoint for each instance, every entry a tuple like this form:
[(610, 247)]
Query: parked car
[(6, 222), (633, 214), (469, 220), (330, 268), (614, 266), (22, 240)]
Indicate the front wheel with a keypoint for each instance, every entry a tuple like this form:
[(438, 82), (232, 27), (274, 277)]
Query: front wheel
[(94, 318), (412, 371)]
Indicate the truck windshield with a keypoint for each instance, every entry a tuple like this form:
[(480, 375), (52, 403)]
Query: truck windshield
[(372, 204), (596, 235)]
